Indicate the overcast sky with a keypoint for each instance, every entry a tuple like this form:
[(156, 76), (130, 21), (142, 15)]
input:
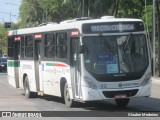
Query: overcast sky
[(8, 7)]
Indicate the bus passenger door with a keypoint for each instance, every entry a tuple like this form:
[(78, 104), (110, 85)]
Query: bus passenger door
[(75, 67), (37, 63), (17, 63)]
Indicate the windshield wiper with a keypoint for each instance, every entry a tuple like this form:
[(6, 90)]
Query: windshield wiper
[(127, 43), (127, 47)]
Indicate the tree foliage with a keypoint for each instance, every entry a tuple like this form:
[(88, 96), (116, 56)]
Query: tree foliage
[(3, 39), (34, 12)]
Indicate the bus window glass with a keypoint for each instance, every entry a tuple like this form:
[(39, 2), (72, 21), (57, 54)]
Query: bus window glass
[(50, 45), (62, 38), (61, 47), (10, 47), (29, 46), (116, 54)]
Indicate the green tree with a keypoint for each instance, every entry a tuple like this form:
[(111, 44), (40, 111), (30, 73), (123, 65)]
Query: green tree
[(34, 12), (30, 13), (3, 39), (103, 7), (158, 33)]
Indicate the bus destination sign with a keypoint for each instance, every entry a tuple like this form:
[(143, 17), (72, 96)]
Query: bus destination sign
[(112, 27), (105, 28)]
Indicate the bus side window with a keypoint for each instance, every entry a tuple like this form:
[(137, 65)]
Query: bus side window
[(29, 46), (50, 42), (61, 47), (10, 47)]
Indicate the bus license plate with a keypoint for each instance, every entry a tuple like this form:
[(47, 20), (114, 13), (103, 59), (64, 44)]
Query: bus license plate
[(121, 96)]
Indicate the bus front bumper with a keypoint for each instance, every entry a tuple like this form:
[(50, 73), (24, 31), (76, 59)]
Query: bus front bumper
[(90, 94)]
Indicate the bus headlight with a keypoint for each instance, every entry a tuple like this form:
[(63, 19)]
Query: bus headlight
[(89, 82), (146, 80)]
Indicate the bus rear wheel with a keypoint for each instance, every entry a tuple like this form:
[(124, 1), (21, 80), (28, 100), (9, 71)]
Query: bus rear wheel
[(68, 101), (122, 102), (27, 91)]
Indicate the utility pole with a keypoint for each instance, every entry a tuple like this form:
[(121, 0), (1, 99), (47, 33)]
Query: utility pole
[(153, 37), (10, 17)]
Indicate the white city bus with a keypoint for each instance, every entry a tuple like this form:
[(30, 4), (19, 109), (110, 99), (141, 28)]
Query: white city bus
[(82, 60)]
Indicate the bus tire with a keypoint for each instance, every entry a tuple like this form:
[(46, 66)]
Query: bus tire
[(122, 102), (69, 102), (27, 91)]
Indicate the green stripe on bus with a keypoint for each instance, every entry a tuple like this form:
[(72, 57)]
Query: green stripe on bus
[(50, 64), (56, 64), (13, 64)]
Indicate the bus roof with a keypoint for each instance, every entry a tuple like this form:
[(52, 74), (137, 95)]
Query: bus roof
[(70, 24)]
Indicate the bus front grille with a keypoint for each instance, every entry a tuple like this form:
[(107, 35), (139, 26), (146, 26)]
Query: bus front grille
[(112, 94)]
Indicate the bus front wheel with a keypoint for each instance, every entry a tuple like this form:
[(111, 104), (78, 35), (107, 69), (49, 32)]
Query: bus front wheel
[(27, 91), (68, 101), (122, 102)]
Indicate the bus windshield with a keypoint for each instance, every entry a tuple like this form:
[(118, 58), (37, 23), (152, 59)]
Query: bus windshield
[(116, 54)]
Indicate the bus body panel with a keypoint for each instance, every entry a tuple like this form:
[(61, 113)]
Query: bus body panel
[(13, 73), (27, 68), (90, 94), (54, 72), (41, 87)]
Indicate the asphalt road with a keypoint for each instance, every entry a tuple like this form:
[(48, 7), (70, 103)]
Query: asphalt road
[(12, 99)]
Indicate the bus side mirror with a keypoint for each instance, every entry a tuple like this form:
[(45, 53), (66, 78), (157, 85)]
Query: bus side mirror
[(82, 49)]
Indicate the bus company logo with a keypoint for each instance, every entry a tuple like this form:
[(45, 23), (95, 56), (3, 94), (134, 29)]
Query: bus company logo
[(120, 85)]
